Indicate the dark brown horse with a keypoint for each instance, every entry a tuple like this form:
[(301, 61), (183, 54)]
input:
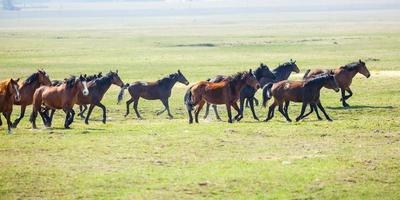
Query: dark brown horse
[(247, 93), (58, 97), (26, 90), (307, 92), (97, 88), (344, 76), (160, 89), (9, 93), (225, 92)]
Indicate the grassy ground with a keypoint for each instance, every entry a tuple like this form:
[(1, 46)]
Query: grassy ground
[(355, 157)]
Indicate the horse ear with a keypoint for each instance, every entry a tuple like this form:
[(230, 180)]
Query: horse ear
[(179, 71), (294, 61), (359, 60), (116, 71), (250, 71), (16, 80)]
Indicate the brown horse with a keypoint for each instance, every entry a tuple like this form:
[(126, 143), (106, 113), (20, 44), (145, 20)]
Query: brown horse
[(160, 89), (307, 92), (225, 92), (344, 76), (58, 97), (8, 94), (26, 90), (97, 88)]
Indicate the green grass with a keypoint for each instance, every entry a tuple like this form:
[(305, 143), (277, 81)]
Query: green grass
[(355, 157)]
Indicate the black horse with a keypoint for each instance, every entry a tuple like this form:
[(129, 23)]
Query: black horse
[(160, 89), (282, 72), (247, 93)]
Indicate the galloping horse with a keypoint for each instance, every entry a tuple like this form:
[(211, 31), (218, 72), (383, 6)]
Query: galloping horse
[(27, 89), (247, 93), (97, 88), (225, 92), (307, 92), (160, 89), (58, 97), (344, 76), (8, 94), (281, 72)]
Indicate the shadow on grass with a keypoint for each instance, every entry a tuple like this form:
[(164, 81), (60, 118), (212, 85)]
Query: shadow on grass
[(359, 107)]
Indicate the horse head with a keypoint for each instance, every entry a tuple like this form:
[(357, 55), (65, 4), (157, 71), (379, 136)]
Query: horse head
[(181, 78)]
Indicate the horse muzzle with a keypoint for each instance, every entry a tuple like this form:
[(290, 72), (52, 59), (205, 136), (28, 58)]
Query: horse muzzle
[(85, 92), (336, 89), (17, 98), (187, 83)]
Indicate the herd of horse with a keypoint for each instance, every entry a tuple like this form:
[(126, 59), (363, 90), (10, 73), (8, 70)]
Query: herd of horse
[(47, 96)]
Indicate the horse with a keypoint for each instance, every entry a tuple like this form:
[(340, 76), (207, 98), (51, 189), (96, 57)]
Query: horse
[(26, 90), (97, 88), (247, 93), (344, 76), (307, 92), (281, 72), (58, 97), (9, 93), (160, 89), (225, 92)]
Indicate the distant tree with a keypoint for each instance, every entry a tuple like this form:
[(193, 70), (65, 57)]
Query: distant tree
[(8, 5)]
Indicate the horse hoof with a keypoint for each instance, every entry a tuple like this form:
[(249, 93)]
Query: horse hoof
[(104, 122), (86, 122), (256, 118), (330, 120)]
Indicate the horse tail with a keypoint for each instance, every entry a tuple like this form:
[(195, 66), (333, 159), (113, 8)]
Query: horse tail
[(188, 99), (121, 93), (306, 74), (267, 93)]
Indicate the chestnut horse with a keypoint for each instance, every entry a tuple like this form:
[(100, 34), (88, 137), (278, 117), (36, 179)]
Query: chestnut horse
[(58, 97), (225, 92), (26, 90), (344, 76), (9, 93), (97, 88), (307, 92), (160, 89)]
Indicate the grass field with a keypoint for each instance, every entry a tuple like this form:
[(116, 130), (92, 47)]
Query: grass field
[(357, 156)]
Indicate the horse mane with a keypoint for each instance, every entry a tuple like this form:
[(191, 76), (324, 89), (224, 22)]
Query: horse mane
[(281, 66), (31, 78), (351, 66), (70, 81), (166, 78), (317, 79), (4, 85), (234, 79)]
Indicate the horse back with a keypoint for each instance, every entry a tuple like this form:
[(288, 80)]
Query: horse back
[(288, 90)]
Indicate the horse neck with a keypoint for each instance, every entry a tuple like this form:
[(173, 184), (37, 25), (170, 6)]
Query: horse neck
[(281, 73), (31, 86), (240, 85), (107, 83), (170, 83)]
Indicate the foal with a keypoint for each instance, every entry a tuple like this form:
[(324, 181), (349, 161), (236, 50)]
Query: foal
[(59, 97), (27, 89), (225, 92), (307, 92), (344, 76), (160, 89), (8, 94)]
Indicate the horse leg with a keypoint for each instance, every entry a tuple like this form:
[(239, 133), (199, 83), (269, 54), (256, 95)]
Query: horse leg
[(316, 111), (207, 109), (323, 111), (251, 101), (16, 122), (135, 105), (247, 103), (350, 93), (104, 112), (1, 122), (51, 116), (197, 111), (255, 101), (166, 104), (32, 118), (282, 111), (228, 109), (286, 109), (45, 118), (343, 99), (271, 111), (127, 106), (82, 111), (89, 113), (311, 111), (216, 112), (239, 116), (66, 124), (7, 115), (303, 109), (72, 115)]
